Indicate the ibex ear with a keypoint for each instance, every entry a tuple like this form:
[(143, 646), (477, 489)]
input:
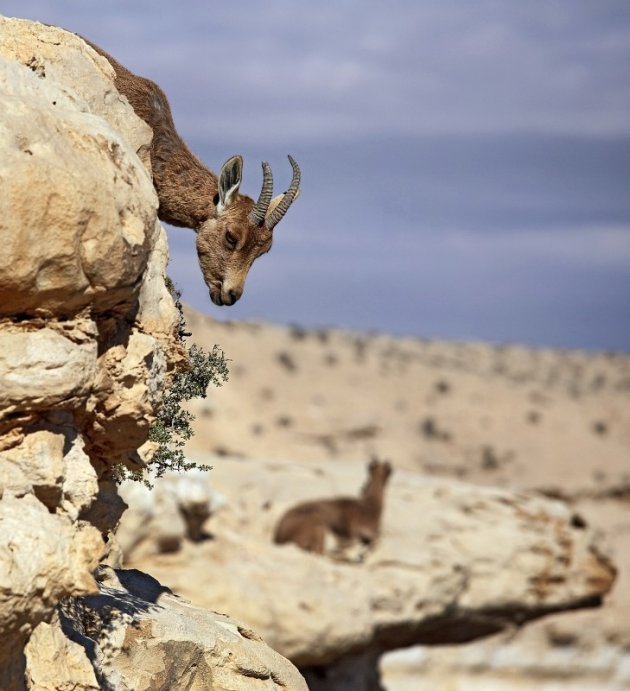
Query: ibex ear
[(229, 182), (275, 201)]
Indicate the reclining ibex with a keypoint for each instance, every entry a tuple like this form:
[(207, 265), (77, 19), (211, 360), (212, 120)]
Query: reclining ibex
[(347, 518), (232, 230)]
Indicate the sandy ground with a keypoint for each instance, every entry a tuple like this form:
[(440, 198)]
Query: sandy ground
[(499, 415)]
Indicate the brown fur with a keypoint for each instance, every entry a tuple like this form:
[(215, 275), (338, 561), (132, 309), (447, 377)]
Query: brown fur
[(347, 518), (188, 192)]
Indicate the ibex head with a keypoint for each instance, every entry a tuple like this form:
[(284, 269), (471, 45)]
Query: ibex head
[(378, 472), (240, 230)]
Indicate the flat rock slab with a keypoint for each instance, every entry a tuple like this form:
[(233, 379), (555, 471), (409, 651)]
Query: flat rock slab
[(454, 562)]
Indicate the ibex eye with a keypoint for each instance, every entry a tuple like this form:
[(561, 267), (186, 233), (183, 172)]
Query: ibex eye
[(230, 239)]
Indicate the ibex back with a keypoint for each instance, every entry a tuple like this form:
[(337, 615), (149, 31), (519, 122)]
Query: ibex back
[(232, 229), (349, 519)]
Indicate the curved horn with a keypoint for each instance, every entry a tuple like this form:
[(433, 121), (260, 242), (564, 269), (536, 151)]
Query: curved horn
[(276, 215), (257, 214)]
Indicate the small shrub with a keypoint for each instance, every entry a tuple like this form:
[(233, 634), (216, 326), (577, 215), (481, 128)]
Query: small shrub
[(430, 430), (493, 460), (286, 360), (257, 429), (442, 386), (489, 458), (298, 333), (365, 432), (533, 417), (360, 347), (267, 394), (172, 426), (322, 335)]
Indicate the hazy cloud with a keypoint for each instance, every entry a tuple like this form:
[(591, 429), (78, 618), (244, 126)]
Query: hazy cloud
[(293, 69)]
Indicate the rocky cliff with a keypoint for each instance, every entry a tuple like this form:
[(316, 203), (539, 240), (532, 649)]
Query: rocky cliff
[(87, 339)]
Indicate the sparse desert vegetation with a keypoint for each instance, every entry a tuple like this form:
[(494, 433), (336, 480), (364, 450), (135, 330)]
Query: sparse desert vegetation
[(461, 407)]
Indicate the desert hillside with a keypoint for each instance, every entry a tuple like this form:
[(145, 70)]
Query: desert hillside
[(502, 415)]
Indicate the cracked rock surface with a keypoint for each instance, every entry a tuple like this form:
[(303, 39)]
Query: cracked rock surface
[(80, 366), (139, 636)]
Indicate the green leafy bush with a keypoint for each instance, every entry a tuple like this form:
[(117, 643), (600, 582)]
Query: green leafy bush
[(172, 427)]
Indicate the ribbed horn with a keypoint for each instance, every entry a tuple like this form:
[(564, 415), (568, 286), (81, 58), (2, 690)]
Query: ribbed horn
[(257, 214), (277, 214)]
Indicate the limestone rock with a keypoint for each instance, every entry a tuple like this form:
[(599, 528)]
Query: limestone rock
[(162, 518), (87, 324), (46, 365), (56, 663), (80, 233), (141, 637), (77, 208), (44, 557), (575, 651), (454, 563)]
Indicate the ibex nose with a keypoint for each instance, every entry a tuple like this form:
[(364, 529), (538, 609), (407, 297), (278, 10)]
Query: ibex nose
[(233, 295)]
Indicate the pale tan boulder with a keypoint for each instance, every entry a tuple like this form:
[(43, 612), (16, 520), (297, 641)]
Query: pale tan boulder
[(584, 650), (44, 557), (77, 208), (141, 637), (454, 562), (35, 467), (42, 366), (55, 663)]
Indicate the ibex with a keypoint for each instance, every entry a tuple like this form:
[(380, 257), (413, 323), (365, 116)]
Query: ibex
[(347, 518), (232, 230)]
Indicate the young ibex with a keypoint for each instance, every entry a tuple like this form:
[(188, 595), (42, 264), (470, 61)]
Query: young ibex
[(348, 519), (232, 230)]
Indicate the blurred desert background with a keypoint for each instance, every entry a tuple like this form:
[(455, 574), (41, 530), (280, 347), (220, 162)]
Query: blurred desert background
[(504, 415), (303, 412)]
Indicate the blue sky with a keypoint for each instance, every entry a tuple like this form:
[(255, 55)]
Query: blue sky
[(466, 166)]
